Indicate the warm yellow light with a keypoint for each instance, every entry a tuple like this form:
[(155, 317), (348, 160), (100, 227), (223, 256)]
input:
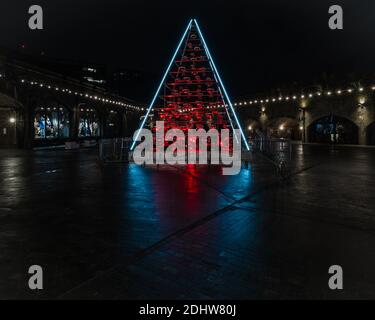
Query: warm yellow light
[(301, 128), (282, 127), (12, 120), (250, 128)]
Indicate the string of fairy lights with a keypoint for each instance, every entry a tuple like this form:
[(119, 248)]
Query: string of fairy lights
[(86, 95), (293, 97), (303, 97), (253, 102)]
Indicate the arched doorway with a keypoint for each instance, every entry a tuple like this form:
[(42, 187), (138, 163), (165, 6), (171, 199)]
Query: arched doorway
[(371, 134), (252, 129), (287, 128), (333, 129)]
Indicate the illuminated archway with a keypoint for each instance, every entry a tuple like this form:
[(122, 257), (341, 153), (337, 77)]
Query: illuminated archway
[(333, 129), (284, 127)]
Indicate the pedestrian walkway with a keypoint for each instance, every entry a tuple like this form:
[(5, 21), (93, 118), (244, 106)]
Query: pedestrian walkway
[(123, 231)]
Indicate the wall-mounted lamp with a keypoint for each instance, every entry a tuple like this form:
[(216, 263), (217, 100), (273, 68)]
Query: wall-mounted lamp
[(12, 120)]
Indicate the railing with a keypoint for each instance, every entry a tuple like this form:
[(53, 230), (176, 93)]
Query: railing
[(277, 151), (114, 150), (118, 150)]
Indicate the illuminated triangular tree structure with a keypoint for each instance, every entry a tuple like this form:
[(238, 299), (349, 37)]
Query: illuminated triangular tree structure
[(191, 94)]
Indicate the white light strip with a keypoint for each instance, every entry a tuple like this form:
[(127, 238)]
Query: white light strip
[(81, 94), (160, 85), (221, 82), (226, 110), (303, 96)]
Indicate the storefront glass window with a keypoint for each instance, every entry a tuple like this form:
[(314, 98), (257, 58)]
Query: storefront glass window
[(51, 123), (88, 123)]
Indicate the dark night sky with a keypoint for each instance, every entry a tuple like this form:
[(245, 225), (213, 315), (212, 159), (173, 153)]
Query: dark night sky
[(257, 45)]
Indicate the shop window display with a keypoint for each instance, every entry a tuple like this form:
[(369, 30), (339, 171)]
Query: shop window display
[(88, 123), (51, 123)]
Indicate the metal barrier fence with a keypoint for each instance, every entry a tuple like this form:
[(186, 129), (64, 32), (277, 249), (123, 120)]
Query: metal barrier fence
[(118, 150), (114, 150), (277, 151)]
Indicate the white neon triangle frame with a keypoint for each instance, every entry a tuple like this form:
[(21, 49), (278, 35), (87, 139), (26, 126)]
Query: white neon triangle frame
[(216, 74)]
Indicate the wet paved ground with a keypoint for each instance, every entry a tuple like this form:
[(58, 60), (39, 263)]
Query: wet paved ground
[(123, 231)]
